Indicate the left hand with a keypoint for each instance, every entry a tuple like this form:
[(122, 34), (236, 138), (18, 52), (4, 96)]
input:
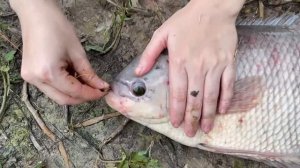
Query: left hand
[(201, 39)]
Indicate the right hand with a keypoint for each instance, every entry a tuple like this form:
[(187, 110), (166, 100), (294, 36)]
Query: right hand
[(52, 54), (201, 61)]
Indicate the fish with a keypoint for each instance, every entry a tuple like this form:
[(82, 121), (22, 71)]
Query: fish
[(263, 121)]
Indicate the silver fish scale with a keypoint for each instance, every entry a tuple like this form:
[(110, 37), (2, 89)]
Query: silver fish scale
[(273, 126)]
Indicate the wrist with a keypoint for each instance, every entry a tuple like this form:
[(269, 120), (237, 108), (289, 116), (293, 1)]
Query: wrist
[(228, 10), (36, 13), (28, 8)]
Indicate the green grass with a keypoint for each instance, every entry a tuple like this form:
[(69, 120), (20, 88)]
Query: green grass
[(139, 159)]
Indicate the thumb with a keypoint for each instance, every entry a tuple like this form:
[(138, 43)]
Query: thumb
[(153, 50)]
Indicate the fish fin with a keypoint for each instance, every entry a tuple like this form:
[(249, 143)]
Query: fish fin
[(288, 21), (247, 94), (272, 159)]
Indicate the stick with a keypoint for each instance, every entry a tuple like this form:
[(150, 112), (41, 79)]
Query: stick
[(5, 94), (35, 142), (35, 114), (10, 42), (43, 126), (97, 119), (261, 9), (8, 14), (115, 133)]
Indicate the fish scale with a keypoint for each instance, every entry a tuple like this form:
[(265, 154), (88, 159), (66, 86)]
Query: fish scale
[(263, 122), (278, 126), (275, 76)]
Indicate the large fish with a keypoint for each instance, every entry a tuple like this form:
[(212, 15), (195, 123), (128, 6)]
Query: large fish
[(263, 122)]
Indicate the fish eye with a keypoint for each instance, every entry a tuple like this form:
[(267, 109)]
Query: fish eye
[(138, 88)]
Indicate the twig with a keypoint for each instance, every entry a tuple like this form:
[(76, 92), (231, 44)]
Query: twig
[(17, 99), (8, 14), (5, 76), (68, 115), (8, 83), (261, 9), (101, 159), (64, 154), (35, 114), (9, 41), (5, 94), (114, 4), (115, 29), (35, 142), (43, 126), (117, 36), (170, 150), (97, 119), (142, 11), (96, 148), (115, 133), (150, 148)]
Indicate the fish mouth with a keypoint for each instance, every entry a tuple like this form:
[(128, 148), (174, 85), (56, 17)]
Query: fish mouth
[(110, 99), (115, 102), (115, 99)]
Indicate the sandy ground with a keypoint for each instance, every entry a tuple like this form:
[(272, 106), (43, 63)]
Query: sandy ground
[(92, 19)]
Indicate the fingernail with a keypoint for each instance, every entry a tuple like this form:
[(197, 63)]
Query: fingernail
[(106, 89), (104, 84), (190, 133), (222, 111), (175, 124), (139, 70), (207, 128)]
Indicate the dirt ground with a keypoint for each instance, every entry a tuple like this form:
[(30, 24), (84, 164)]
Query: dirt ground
[(22, 142)]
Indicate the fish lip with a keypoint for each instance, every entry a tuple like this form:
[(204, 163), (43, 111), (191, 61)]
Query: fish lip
[(113, 85), (115, 102), (109, 99)]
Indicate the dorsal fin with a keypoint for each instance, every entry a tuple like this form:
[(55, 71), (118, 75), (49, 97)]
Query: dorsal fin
[(286, 22)]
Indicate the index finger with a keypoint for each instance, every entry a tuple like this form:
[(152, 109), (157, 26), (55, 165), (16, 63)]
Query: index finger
[(71, 86), (86, 72)]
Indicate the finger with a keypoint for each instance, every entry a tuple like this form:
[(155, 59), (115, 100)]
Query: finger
[(153, 50), (58, 96), (227, 84), (69, 85), (194, 101), (210, 99), (178, 91), (85, 71)]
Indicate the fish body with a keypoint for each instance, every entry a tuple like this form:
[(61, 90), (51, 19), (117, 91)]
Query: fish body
[(263, 122)]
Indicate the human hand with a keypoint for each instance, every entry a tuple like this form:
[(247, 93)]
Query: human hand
[(201, 39), (52, 54)]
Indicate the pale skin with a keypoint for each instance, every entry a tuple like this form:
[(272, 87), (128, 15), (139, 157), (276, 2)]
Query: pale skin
[(201, 39)]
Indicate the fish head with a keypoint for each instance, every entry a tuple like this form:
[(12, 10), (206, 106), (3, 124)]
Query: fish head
[(145, 98)]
